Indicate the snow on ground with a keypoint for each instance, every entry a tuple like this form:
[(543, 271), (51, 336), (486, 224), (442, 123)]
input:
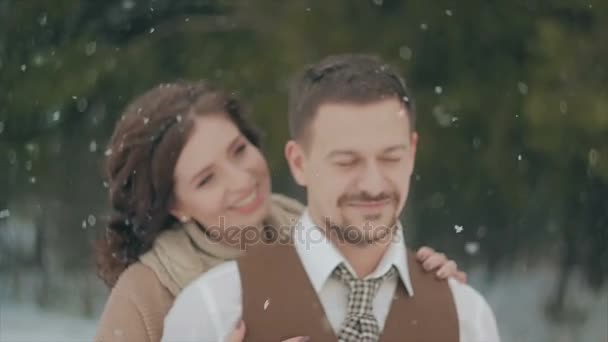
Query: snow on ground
[(28, 323)]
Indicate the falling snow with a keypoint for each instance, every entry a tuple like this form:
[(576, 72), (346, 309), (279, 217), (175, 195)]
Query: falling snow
[(448, 12), (12, 157), (4, 213), (266, 303), (523, 88), (458, 228), (563, 107), (128, 4), (91, 220), (438, 90), (476, 143), (424, 27), (39, 60), (444, 119), (594, 157), (56, 115), (471, 248), (152, 30), (90, 48), (43, 19), (82, 105), (93, 146), (405, 52)]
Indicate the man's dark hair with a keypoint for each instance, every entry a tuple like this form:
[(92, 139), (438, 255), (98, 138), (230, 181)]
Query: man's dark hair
[(349, 78)]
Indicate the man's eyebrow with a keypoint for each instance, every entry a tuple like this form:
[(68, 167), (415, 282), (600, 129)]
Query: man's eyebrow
[(338, 153), (395, 148)]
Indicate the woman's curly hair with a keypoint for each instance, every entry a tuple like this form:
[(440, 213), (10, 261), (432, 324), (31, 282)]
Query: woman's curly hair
[(140, 164)]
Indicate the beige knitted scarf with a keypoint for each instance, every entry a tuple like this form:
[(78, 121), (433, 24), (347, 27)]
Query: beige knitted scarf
[(180, 255)]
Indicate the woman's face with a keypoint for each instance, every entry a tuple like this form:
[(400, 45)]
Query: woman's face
[(221, 179)]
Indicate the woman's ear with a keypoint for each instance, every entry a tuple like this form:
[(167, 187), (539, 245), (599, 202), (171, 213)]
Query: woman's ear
[(177, 212), (294, 154), (180, 216)]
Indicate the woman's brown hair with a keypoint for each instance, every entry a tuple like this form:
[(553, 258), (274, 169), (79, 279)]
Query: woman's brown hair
[(140, 163)]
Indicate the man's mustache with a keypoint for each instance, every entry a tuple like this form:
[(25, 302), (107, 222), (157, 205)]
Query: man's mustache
[(366, 197)]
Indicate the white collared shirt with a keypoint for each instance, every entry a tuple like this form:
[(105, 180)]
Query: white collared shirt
[(209, 308)]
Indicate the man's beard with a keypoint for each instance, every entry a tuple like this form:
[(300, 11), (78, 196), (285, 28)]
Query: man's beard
[(349, 233), (361, 237)]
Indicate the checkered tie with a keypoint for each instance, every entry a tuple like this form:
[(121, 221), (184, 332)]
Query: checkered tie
[(360, 324)]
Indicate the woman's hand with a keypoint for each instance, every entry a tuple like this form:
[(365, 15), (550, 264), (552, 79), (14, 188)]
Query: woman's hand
[(435, 261), (239, 334)]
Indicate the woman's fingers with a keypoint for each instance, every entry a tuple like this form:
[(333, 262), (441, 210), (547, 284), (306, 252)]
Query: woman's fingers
[(447, 269), (434, 261), (298, 339), (461, 277), (238, 334), (424, 252)]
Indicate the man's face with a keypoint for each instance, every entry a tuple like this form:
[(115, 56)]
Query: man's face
[(356, 166)]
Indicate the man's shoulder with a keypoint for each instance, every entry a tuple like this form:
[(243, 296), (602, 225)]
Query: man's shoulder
[(476, 317), (465, 292), (470, 303)]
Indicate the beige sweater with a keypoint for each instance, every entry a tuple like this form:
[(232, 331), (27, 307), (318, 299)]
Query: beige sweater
[(136, 308), (144, 292)]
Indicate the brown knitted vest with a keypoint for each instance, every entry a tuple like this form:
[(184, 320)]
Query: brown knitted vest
[(279, 302)]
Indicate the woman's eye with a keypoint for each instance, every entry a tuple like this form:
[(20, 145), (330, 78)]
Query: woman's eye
[(239, 150), (205, 181)]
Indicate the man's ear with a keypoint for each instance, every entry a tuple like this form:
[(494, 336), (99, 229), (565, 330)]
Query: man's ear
[(413, 146), (294, 153)]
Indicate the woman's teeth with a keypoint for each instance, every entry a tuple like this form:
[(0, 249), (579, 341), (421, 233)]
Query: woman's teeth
[(247, 200)]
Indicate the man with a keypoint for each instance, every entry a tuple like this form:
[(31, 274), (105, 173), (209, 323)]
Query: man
[(346, 274)]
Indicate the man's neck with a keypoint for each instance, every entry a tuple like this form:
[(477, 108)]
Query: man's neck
[(364, 259)]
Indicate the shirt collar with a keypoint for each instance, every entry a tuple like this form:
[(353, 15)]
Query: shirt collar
[(320, 257)]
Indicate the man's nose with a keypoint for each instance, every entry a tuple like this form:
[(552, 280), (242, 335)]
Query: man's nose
[(371, 180)]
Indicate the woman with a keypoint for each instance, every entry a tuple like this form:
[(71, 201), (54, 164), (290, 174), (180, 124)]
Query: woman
[(184, 170)]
